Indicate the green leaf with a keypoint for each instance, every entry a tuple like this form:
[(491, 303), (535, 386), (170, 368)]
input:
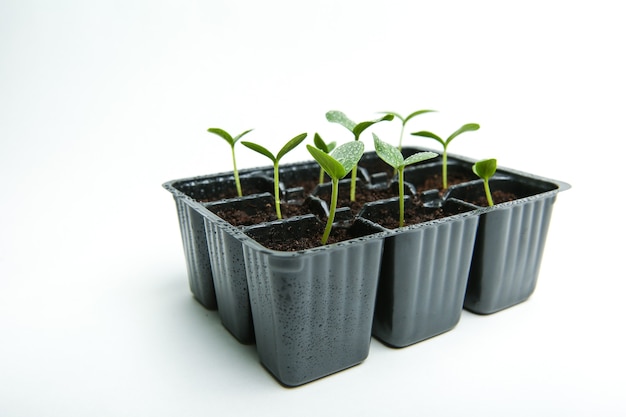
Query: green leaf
[(417, 113), (430, 135), (223, 134), (236, 138), (388, 153), (419, 157), (335, 116), (323, 146), (359, 128), (348, 155), (290, 145), (394, 114), (260, 149), (330, 165), (319, 143), (486, 168), (465, 128)]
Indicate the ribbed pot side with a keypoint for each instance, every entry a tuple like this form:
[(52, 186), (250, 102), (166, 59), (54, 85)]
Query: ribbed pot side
[(313, 312)]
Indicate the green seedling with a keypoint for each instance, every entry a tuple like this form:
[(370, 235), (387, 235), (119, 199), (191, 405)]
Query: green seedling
[(392, 155), (326, 148), (465, 128), (231, 141), (337, 165), (336, 116), (405, 120), (485, 169), (275, 160)]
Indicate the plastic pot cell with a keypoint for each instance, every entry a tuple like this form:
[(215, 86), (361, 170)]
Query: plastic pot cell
[(510, 241), (424, 273), (187, 194), (227, 266), (312, 309)]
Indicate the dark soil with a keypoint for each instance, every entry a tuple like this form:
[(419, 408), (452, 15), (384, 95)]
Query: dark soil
[(414, 214), (232, 193), (435, 181), (307, 185), (363, 195), (309, 240), (377, 165), (497, 196), (267, 214)]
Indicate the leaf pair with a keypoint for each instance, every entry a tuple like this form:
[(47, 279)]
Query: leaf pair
[(337, 165), (336, 116), (392, 155), (231, 141), (465, 128), (226, 136), (289, 146), (340, 161), (405, 120), (275, 160)]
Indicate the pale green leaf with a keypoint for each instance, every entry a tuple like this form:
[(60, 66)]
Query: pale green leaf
[(359, 128), (330, 165), (335, 116), (348, 155), (419, 157), (388, 153)]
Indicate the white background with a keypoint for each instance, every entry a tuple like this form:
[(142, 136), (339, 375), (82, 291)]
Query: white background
[(102, 102)]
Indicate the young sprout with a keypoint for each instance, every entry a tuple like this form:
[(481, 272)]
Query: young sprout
[(323, 146), (336, 116), (405, 120), (275, 160), (392, 155), (485, 170), (337, 164), (231, 141), (465, 128)]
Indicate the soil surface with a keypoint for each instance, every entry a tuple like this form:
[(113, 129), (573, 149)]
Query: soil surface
[(413, 214), (307, 185), (232, 193), (238, 217), (497, 196), (435, 181), (363, 195), (311, 240)]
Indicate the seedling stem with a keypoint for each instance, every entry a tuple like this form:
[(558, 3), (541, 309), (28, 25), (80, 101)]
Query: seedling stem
[(275, 160), (231, 141), (336, 116), (465, 128), (485, 169), (393, 157), (337, 164)]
